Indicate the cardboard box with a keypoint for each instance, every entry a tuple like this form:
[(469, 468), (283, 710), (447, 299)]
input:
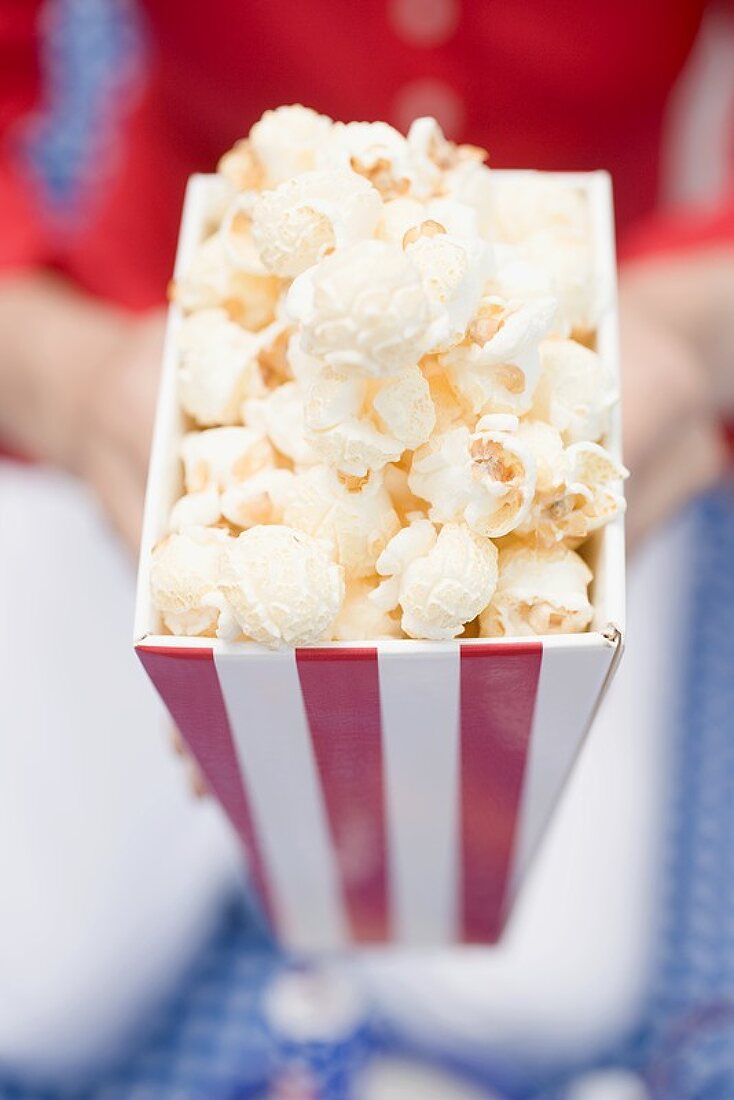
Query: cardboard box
[(386, 792)]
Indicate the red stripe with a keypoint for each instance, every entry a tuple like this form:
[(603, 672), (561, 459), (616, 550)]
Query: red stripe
[(187, 681), (498, 690), (341, 694)]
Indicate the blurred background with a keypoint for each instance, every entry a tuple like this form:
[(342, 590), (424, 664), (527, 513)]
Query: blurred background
[(131, 963)]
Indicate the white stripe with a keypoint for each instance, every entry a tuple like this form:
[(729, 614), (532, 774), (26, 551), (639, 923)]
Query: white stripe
[(569, 686), (263, 697), (419, 695)]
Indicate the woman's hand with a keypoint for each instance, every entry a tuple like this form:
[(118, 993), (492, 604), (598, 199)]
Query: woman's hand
[(673, 443), (78, 380), (115, 417)]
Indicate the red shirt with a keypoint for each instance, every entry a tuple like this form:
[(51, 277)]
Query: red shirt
[(571, 84)]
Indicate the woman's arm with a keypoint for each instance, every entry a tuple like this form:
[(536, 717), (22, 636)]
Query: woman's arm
[(77, 388), (677, 333)]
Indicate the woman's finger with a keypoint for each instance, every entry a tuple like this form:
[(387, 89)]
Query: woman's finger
[(133, 391), (119, 490), (663, 389), (691, 461)]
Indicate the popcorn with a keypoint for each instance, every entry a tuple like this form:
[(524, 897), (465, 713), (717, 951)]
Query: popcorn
[(357, 435), (218, 366), (358, 521), (363, 310), (545, 444), (259, 499), (448, 408), (587, 498), (286, 141), (426, 141), (568, 265), (441, 582), (471, 183), (540, 590), (360, 619), (403, 406), (212, 281), (281, 416), (384, 355), (382, 155), (239, 167), (184, 574), (404, 216), (496, 368), (518, 279), (220, 457), (531, 202), (458, 218), (454, 272), (280, 587), (398, 217), (396, 165), (200, 509), (236, 235), (486, 478), (405, 502), (549, 222), (338, 432), (307, 217), (575, 391), (305, 368)]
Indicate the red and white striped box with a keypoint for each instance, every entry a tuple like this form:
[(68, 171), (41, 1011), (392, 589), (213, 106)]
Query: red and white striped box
[(386, 792)]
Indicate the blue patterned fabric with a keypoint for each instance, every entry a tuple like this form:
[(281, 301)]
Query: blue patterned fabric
[(92, 64), (213, 1041), (683, 1047)]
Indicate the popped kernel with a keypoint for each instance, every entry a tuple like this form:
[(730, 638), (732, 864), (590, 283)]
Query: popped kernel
[(358, 426), (383, 156), (404, 215), (308, 216), (426, 140), (496, 368), (281, 416), (357, 520), (363, 310), (405, 502), (218, 366), (486, 478), (440, 581), (399, 216), (540, 590), (259, 499), (280, 587), (471, 183), (568, 263), (286, 142), (236, 235), (213, 282), (221, 457), (575, 391), (240, 168), (199, 509), (184, 574), (454, 272), (404, 408), (531, 202), (549, 223), (360, 619), (588, 497)]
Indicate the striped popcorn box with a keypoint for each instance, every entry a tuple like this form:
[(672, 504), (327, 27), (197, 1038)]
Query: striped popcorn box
[(394, 791)]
